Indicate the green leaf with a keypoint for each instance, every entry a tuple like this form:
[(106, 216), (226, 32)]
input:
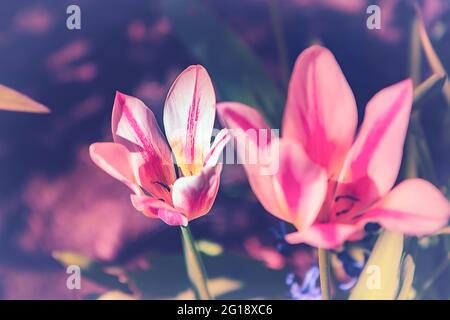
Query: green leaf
[(428, 89), (380, 278), (13, 100), (430, 53), (230, 277), (408, 277), (194, 265), (236, 71), (92, 270)]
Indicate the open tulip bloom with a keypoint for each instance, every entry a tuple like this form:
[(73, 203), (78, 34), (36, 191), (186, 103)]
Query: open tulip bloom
[(329, 184), (141, 158)]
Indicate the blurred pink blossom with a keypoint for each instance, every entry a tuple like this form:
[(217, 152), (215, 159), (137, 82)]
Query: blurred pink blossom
[(269, 255), (36, 20), (69, 63), (349, 6)]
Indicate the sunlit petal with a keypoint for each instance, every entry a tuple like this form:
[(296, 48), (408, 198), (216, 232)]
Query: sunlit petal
[(189, 113), (320, 111)]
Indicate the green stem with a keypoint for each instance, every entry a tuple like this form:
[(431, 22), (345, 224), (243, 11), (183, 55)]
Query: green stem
[(324, 267), (415, 53), (279, 40), (194, 266), (438, 272)]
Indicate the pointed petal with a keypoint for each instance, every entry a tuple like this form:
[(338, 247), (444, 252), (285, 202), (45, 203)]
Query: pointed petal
[(195, 195), (115, 160), (155, 208), (320, 112), (326, 236), (373, 162), (414, 207), (13, 100), (189, 113), (300, 185), (214, 154), (252, 136), (135, 126)]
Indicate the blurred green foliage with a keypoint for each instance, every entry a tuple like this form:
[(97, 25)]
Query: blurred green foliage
[(237, 72)]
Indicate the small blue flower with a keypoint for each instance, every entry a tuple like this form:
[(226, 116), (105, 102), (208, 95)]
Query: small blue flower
[(352, 267), (279, 234), (309, 289)]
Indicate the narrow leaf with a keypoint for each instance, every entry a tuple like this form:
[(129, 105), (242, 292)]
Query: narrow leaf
[(408, 277), (237, 72), (380, 277), (13, 100), (427, 89), (431, 55), (90, 269), (195, 269)]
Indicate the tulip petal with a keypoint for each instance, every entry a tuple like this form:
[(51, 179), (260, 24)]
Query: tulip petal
[(155, 208), (414, 207), (252, 137), (115, 160), (195, 195), (172, 218), (326, 235), (189, 113), (214, 154), (135, 126), (300, 185), (321, 111), (373, 162), (284, 180)]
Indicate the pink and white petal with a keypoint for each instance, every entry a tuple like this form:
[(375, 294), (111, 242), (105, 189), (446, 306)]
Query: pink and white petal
[(238, 117), (172, 217), (214, 154), (374, 160), (252, 137), (195, 195), (321, 111), (135, 126), (300, 185), (189, 113), (115, 160), (155, 208), (325, 236), (414, 207)]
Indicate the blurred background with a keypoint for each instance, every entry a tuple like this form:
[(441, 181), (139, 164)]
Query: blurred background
[(54, 200)]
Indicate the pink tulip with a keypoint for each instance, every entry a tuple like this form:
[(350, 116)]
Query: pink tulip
[(329, 184), (141, 158)]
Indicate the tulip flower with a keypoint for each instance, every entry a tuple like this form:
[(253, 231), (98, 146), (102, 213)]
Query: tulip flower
[(329, 184), (141, 159)]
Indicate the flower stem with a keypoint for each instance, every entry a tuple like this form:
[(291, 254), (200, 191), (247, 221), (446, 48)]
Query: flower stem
[(280, 40), (324, 267), (194, 266)]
